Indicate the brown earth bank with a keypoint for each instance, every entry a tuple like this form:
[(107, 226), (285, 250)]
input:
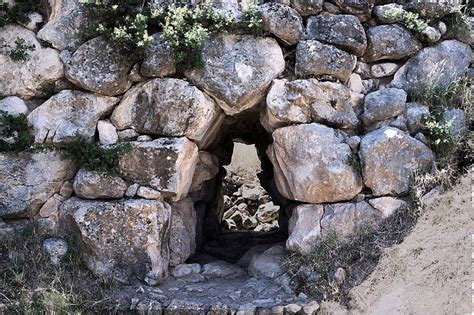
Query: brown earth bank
[(430, 272)]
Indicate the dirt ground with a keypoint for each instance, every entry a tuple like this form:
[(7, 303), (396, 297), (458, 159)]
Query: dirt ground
[(430, 272)]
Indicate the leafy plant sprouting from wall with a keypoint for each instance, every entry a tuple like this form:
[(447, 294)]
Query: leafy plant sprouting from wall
[(184, 27), (15, 136)]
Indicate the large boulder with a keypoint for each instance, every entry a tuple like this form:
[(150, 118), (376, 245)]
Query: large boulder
[(314, 58), (158, 60), (282, 21), (304, 228), (67, 114), (28, 180), (361, 8), (100, 66), (67, 24), (183, 231), (342, 31), (390, 158), (383, 104), (390, 42), (121, 239), (345, 218), (435, 66), (30, 77), (96, 185), (238, 70), (307, 7), (311, 164), (304, 101), (165, 164), (169, 107)]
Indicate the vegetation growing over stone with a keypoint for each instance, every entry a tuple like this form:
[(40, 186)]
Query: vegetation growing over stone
[(15, 136), (18, 13), (410, 20), (92, 156), (20, 52), (184, 26)]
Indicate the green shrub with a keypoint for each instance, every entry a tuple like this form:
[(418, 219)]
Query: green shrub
[(15, 135), (20, 51), (457, 22), (92, 156), (18, 13), (410, 20)]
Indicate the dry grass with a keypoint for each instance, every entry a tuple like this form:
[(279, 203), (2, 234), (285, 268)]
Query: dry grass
[(30, 284)]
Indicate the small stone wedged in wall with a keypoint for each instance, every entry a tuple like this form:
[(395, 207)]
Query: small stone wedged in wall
[(97, 185)]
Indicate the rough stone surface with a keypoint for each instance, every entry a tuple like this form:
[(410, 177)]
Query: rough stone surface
[(183, 231), (164, 164), (342, 31), (361, 8), (390, 42), (389, 157), (29, 180), (317, 181), (148, 193), (13, 105), (56, 249), (380, 12), (457, 121), (100, 67), (105, 229), (169, 107), (158, 60), (307, 7), (388, 205), (282, 21), (184, 270), (221, 269), (386, 69), (238, 70), (383, 104), (96, 185), (268, 264), (414, 114), (28, 78), (207, 168), (429, 9), (304, 228), (316, 59), (107, 132), (67, 24), (437, 65), (345, 218), (67, 114)]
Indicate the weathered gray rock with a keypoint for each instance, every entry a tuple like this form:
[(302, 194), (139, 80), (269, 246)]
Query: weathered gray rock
[(383, 104), (221, 269), (148, 193), (414, 114), (100, 67), (267, 212), (342, 31), (60, 118), (122, 239), (268, 264), (238, 70), (389, 158), (386, 69), (382, 12), (310, 308), (164, 164), (206, 169), (96, 185), (282, 21), (27, 78), (312, 170), (316, 59), (158, 60), (388, 205), (344, 218), (307, 7), (183, 231), (169, 107), (432, 66), (107, 132), (29, 180), (35, 19), (13, 105), (361, 8), (178, 307), (429, 9), (67, 24), (457, 121), (56, 249), (304, 228), (185, 270), (390, 42)]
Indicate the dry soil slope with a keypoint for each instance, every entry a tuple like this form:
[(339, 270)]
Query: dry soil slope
[(430, 272)]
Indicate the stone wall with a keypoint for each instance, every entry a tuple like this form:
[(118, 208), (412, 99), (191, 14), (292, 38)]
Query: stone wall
[(330, 82)]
